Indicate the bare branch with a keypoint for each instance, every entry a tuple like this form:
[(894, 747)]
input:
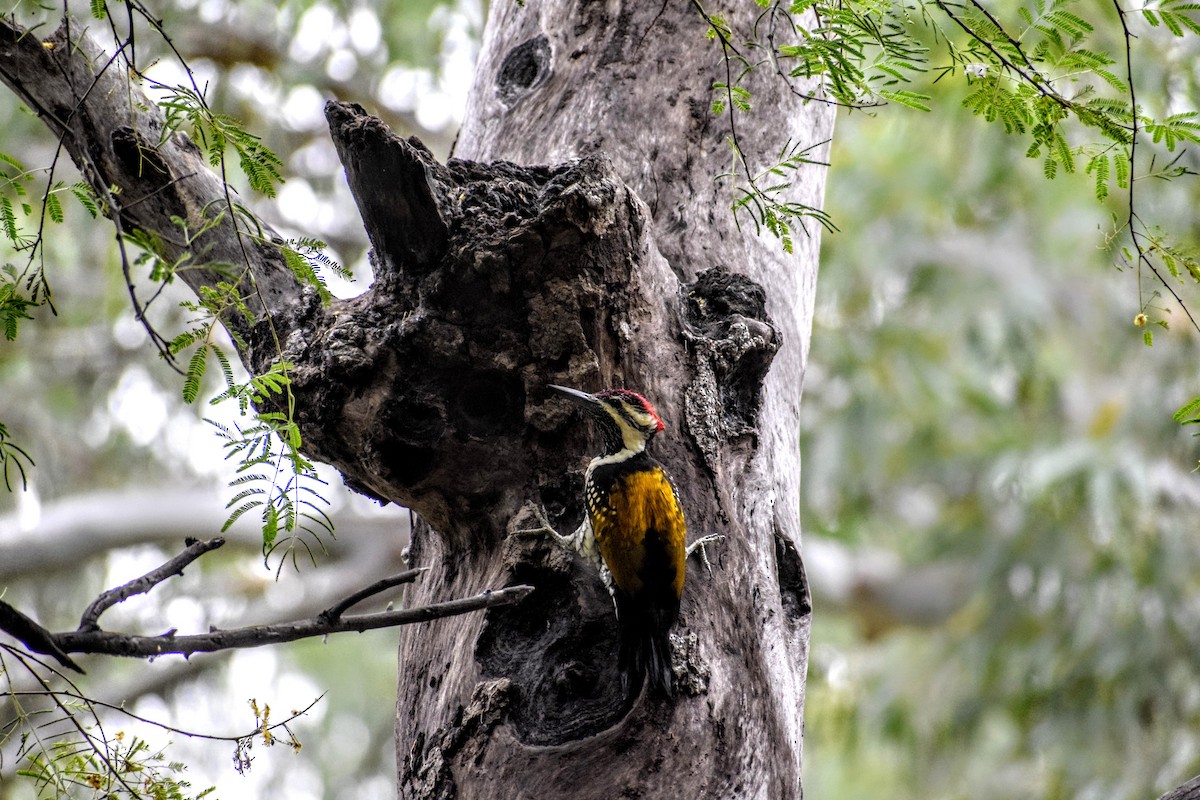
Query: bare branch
[(89, 638), (119, 644), (36, 638), (90, 619), (335, 612)]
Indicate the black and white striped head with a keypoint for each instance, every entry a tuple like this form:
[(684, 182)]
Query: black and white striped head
[(627, 420)]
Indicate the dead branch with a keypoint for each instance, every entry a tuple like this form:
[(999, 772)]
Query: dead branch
[(90, 638), (335, 612), (36, 638), (90, 621)]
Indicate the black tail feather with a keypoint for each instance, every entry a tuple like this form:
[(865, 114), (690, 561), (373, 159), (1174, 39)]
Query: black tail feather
[(645, 647)]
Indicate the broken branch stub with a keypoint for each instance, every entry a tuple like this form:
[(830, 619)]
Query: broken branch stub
[(490, 281)]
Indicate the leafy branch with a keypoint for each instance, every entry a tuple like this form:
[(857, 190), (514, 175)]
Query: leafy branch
[(1023, 85), (766, 203), (271, 449), (68, 751), (216, 134), (1039, 74)]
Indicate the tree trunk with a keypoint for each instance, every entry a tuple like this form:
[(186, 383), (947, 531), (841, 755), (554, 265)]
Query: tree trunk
[(633, 81), (623, 268)]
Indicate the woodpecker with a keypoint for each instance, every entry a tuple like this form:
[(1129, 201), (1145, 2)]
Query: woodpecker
[(634, 532)]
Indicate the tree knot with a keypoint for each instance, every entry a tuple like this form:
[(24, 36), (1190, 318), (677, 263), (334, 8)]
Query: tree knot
[(732, 342)]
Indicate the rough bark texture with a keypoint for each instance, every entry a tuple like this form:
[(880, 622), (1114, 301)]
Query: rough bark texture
[(560, 80), (141, 177), (1188, 791), (621, 268)]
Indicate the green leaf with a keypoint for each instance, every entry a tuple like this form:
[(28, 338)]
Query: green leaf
[(184, 340), (301, 265), (238, 512), (226, 366), (245, 493), (17, 165), (1072, 24), (1049, 168), (1188, 413), (1171, 22), (907, 98), (270, 525), (1063, 151), (54, 208), (83, 193), (1099, 165), (8, 220), (195, 372), (1112, 80), (1121, 163)]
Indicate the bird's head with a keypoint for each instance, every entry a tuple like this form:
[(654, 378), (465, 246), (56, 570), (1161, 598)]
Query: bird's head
[(627, 420)]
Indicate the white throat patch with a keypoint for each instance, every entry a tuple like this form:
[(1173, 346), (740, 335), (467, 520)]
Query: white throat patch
[(633, 440)]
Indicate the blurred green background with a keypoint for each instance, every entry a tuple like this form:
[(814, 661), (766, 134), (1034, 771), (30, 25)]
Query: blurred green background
[(1000, 514)]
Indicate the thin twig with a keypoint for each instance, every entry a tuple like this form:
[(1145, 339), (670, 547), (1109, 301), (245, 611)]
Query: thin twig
[(91, 701), (335, 612), (1135, 237), (89, 638), (101, 750), (1133, 140), (1036, 80), (90, 619), (117, 644)]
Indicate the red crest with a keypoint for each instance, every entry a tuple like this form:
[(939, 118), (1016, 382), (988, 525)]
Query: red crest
[(636, 400)]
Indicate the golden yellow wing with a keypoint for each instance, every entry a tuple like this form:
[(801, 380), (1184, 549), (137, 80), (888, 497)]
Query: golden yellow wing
[(641, 532)]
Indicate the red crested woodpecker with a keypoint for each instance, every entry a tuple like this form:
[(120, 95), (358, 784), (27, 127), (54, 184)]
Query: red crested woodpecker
[(635, 533)]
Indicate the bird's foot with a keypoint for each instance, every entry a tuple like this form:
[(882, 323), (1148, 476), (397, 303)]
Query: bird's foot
[(699, 545), (539, 516), (577, 541)]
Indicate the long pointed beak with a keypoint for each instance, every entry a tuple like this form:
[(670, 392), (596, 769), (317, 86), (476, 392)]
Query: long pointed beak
[(582, 398)]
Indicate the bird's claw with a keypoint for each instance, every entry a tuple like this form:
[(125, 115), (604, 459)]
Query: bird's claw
[(544, 526), (699, 545)]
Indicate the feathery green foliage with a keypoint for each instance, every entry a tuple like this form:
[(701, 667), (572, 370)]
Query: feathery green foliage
[(68, 752), (303, 257), (274, 477), (187, 110), (1039, 69), (120, 767)]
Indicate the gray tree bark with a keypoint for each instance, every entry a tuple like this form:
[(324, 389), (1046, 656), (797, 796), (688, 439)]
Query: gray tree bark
[(633, 81), (622, 268)]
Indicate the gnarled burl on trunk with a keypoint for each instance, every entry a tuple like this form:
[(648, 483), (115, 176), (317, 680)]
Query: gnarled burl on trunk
[(493, 281)]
